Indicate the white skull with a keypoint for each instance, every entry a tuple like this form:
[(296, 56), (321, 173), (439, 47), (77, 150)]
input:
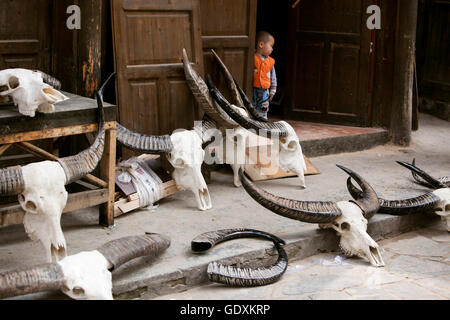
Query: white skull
[(43, 200), (352, 228), (444, 206), (29, 91), (86, 276), (235, 151), (187, 158), (291, 156)]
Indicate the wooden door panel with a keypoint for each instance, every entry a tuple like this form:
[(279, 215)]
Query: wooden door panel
[(309, 77), (342, 76), (330, 53), (148, 39), (229, 28), (25, 34)]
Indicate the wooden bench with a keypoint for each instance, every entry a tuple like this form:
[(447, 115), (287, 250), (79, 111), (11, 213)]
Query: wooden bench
[(78, 115)]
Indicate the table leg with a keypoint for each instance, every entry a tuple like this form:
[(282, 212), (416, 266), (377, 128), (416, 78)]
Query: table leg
[(107, 173)]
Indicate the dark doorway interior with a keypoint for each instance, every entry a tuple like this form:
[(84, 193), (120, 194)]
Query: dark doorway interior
[(271, 17)]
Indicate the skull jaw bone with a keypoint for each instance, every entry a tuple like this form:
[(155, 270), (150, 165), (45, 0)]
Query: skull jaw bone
[(354, 239), (443, 209), (43, 200), (86, 276), (187, 158), (290, 156)]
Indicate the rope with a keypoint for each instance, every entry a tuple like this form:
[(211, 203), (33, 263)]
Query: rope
[(148, 185)]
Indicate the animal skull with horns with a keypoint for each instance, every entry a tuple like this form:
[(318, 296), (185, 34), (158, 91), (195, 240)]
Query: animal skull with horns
[(289, 157), (289, 154), (437, 201), (41, 192), (347, 218), (83, 276), (30, 90), (183, 150)]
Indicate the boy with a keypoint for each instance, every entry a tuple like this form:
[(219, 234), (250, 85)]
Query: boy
[(264, 76)]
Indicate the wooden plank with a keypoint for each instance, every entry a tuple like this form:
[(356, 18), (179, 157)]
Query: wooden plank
[(53, 133), (13, 214), (262, 166), (44, 154), (107, 173)]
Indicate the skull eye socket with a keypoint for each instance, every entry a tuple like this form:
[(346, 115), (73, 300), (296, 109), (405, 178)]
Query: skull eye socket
[(447, 208), (78, 291), (283, 140), (13, 82), (30, 206), (345, 226)]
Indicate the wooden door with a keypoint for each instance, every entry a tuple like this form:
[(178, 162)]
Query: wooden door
[(329, 53), (25, 34), (229, 28), (153, 97)]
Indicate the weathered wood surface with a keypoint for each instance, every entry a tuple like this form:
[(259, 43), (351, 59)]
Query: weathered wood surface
[(52, 133), (77, 111), (13, 214)]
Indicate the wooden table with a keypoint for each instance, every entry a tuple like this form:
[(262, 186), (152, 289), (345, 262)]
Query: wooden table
[(78, 115)]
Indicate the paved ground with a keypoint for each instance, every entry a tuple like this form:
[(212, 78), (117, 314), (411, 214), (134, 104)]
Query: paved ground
[(417, 268), (179, 270)]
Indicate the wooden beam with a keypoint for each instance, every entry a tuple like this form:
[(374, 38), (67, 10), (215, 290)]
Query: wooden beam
[(53, 133), (13, 214), (46, 155), (108, 173), (405, 42), (4, 148)]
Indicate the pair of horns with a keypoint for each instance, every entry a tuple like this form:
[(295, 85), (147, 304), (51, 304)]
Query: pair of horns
[(50, 276), (423, 203), (266, 129), (238, 95), (201, 94), (424, 178), (75, 167), (241, 277), (311, 211)]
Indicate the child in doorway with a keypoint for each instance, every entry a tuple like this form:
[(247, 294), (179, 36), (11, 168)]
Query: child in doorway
[(264, 76)]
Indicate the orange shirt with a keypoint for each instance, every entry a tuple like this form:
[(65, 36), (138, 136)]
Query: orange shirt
[(261, 71)]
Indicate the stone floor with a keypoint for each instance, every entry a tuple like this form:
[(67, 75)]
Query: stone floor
[(417, 268)]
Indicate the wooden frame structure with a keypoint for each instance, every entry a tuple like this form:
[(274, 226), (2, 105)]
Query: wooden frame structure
[(78, 115)]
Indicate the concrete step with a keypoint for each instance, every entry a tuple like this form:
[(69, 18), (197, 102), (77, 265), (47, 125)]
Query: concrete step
[(319, 139)]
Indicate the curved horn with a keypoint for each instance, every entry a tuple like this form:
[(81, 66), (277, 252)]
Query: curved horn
[(37, 279), (242, 277), (432, 181), (207, 124), (147, 143), (77, 166), (306, 211), (268, 128), (122, 250), (11, 181), (249, 277), (208, 240), (201, 95), (48, 79), (249, 106), (423, 203), (237, 98), (368, 201)]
